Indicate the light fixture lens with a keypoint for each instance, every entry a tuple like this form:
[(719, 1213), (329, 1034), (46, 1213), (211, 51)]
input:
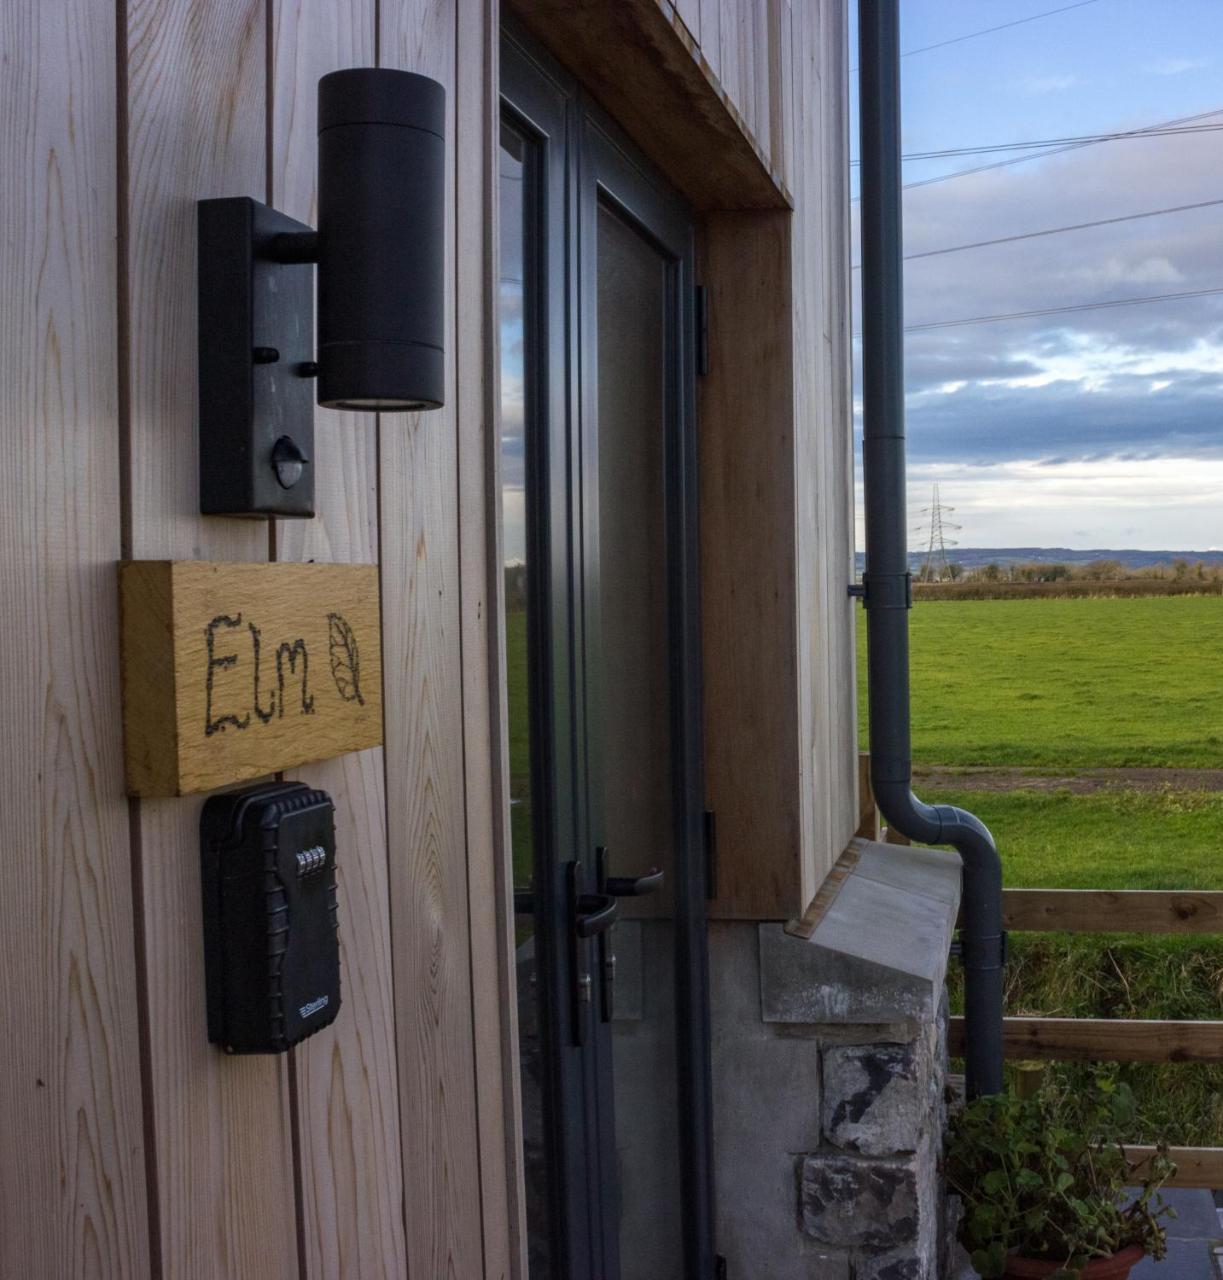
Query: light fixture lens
[(383, 405)]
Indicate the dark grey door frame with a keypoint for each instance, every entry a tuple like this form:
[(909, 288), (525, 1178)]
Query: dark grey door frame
[(581, 161)]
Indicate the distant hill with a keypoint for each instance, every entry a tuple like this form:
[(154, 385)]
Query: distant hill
[(975, 557)]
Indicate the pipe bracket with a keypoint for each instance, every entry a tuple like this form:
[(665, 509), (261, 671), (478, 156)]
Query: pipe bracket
[(886, 590)]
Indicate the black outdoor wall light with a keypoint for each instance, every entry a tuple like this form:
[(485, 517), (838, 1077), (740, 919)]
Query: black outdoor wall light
[(380, 255)]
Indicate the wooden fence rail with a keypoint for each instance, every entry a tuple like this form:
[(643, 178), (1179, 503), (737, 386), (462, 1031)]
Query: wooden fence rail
[(1195, 1166), (1103, 1039), (1113, 910)]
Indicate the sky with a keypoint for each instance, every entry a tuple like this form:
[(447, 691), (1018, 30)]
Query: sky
[(1088, 429)]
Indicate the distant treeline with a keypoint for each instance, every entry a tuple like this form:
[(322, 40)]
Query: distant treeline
[(1072, 581), (1075, 589)]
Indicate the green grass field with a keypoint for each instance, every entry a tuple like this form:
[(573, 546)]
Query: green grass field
[(1114, 839), (1077, 683), (1118, 839), (1069, 685)]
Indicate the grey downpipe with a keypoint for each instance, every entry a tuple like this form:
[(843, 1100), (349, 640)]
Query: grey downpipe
[(887, 583)]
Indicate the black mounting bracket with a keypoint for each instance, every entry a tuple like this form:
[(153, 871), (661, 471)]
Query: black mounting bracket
[(256, 361)]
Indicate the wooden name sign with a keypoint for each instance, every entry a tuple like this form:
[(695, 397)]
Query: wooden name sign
[(231, 671)]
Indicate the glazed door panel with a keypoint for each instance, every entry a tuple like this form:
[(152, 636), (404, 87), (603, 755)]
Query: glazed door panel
[(598, 463)]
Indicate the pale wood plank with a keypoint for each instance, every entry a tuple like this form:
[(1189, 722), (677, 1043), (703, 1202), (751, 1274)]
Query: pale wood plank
[(430, 925), (689, 13), (841, 481), (1108, 910), (486, 745), (730, 57), (815, 686), (220, 1127), (761, 87), (1104, 1039), (1195, 1166), (72, 1178), (347, 1088), (780, 89), (711, 35)]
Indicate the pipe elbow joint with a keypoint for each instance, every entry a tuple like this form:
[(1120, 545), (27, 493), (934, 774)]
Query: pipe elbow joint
[(969, 835), (906, 813)]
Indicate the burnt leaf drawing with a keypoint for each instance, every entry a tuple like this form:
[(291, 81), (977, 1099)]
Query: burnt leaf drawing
[(345, 658)]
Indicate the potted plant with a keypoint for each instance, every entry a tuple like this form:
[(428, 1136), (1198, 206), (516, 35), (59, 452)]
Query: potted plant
[(1044, 1179)]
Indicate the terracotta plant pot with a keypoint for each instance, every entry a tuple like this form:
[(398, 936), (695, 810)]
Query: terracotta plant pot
[(1115, 1268)]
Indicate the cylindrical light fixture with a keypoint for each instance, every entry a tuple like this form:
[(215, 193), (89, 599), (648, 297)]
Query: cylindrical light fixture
[(381, 241)]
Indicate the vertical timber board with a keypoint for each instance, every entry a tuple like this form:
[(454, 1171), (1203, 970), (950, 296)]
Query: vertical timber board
[(832, 598), (486, 746), (426, 827), (219, 1127), (710, 39), (72, 1190), (748, 493), (815, 692), (761, 87), (840, 425), (346, 1095), (728, 50), (781, 89), (689, 13)]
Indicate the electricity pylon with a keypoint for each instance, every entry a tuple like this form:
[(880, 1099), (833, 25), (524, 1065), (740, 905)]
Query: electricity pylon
[(932, 533)]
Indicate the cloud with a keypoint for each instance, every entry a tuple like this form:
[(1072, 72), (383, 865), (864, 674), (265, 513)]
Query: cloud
[(1038, 85), (1136, 381), (1120, 271), (1112, 502), (1175, 66)]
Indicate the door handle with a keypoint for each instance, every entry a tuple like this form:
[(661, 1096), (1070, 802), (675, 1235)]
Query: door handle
[(634, 886), (595, 913), (590, 916), (626, 886), (592, 913), (618, 887)]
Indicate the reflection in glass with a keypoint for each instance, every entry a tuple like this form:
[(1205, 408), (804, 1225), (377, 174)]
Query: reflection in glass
[(638, 799), (515, 296)]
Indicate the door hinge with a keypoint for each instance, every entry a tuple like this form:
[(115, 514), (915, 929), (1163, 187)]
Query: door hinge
[(711, 853), (702, 329)]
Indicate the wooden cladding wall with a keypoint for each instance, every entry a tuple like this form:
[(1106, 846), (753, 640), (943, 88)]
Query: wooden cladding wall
[(387, 1144), (130, 1147), (776, 471)]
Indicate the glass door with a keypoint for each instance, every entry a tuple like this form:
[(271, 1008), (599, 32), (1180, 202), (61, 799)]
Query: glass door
[(599, 530)]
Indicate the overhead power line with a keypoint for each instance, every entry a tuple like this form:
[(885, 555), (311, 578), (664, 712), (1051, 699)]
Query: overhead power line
[(972, 35), (1154, 132), (1056, 311), (1056, 231), (1052, 151)]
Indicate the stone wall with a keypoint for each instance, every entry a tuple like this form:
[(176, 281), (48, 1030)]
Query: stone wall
[(871, 1192), (830, 1072)]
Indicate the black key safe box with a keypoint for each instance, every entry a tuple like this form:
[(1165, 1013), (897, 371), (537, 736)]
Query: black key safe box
[(271, 950)]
